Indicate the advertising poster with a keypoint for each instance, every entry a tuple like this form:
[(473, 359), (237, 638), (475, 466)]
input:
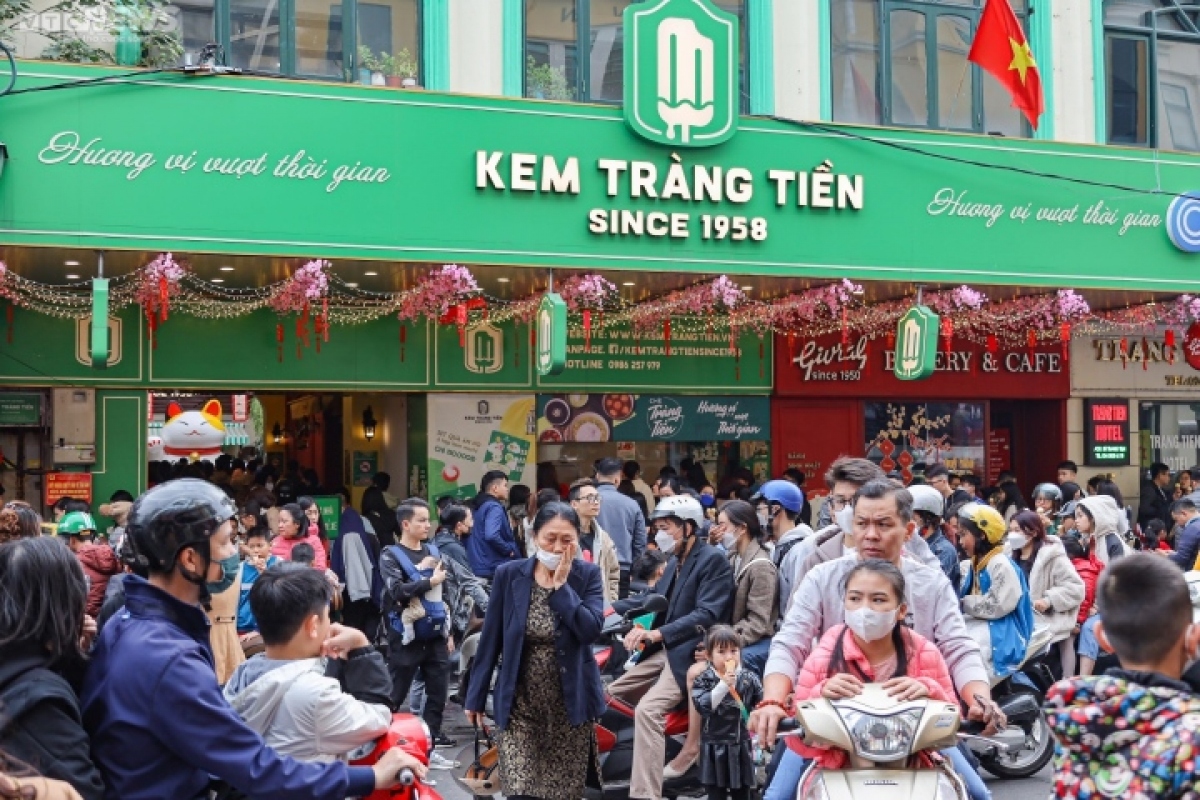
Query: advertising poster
[(366, 464), (76, 485), (472, 434), (651, 418)]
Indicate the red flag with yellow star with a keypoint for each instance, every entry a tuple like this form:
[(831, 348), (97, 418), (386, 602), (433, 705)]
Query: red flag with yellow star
[(1000, 47)]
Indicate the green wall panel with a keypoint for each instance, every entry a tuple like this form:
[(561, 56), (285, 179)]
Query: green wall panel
[(120, 443), (936, 207), (46, 350)]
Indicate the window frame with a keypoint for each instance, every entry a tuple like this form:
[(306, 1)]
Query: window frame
[(932, 10), (222, 28), (1150, 34), (583, 61)]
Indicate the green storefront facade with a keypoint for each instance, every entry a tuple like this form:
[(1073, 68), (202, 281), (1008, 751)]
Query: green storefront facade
[(388, 180)]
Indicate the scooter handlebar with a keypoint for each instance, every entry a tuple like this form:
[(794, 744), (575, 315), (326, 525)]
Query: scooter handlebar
[(406, 777)]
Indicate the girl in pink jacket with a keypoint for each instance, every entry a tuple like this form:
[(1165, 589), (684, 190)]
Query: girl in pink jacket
[(294, 528), (872, 647)]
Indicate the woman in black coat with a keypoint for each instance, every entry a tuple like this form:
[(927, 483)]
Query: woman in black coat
[(544, 614), (42, 600)]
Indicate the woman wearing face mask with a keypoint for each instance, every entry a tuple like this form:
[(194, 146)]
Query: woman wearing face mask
[(755, 609), (544, 614), (1054, 586), (222, 611)]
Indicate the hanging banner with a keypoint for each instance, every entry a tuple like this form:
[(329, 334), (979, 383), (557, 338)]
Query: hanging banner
[(652, 418)]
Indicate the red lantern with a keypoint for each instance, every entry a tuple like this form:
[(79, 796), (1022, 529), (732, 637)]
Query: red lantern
[(947, 332), (587, 330), (891, 339), (1032, 338), (460, 319), (1064, 335), (845, 327), (403, 339), (163, 297), (993, 343), (1191, 345), (667, 335), (279, 340)]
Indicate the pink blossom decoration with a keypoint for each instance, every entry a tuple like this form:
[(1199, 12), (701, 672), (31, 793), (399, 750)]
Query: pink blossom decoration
[(157, 283), (434, 296), (591, 292), (308, 285), (1072, 306)]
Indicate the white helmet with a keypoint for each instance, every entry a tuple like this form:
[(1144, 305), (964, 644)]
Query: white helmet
[(927, 499), (683, 507)]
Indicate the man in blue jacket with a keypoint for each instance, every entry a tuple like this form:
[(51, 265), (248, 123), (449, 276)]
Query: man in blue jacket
[(491, 542), (158, 722), (1187, 543)]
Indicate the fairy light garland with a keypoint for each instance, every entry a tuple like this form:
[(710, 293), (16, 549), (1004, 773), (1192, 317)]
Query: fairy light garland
[(714, 309)]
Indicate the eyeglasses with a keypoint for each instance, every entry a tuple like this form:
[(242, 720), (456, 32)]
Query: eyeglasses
[(589, 498), (837, 502)]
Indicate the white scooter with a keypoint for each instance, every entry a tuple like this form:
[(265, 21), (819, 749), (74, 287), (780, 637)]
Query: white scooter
[(891, 747)]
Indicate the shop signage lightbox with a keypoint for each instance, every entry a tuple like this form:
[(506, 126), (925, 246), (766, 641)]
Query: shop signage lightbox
[(1106, 432), (507, 181), (20, 410)]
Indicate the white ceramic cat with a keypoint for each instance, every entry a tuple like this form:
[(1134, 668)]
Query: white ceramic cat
[(195, 435)]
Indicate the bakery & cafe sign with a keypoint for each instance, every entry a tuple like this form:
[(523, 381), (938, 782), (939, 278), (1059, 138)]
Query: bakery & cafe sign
[(828, 366)]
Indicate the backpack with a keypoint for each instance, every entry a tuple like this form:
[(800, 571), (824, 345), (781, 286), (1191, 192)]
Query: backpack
[(435, 624)]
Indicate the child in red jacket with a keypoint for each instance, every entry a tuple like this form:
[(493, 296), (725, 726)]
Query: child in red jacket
[(1089, 570), (872, 647)]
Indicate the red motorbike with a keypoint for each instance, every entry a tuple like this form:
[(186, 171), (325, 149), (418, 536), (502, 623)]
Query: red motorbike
[(614, 731), (410, 734)]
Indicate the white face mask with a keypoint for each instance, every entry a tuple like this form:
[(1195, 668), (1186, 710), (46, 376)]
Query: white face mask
[(549, 560), (764, 520), (871, 625), (665, 542), (1017, 541), (729, 540), (845, 519)]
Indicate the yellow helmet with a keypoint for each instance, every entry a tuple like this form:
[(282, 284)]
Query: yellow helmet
[(983, 520)]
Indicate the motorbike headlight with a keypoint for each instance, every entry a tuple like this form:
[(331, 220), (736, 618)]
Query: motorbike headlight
[(881, 738)]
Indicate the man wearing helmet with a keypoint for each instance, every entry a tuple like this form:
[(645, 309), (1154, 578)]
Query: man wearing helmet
[(780, 503), (881, 517), (995, 598), (158, 722), (928, 507), (698, 585)]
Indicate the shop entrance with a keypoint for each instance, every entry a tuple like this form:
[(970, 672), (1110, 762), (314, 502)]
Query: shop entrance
[(1028, 437)]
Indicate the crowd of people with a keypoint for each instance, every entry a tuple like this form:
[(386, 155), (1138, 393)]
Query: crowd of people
[(215, 638)]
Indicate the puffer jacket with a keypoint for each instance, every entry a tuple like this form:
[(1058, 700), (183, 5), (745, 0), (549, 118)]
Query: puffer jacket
[(1053, 578), (1107, 543), (302, 713), (1125, 734), (282, 546), (1088, 569), (756, 594), (924, 663), (99, 563)]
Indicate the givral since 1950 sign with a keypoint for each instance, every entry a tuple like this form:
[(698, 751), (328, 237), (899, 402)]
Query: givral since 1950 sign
[(862, 367)]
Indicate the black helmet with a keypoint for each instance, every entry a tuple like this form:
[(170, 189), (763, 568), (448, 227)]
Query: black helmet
[(175, 515)]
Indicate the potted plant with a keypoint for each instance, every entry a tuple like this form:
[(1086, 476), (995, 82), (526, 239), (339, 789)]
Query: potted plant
[(365, 59), (404, 68), (546, 82), (376, 66)]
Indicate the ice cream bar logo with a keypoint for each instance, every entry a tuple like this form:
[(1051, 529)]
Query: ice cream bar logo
[(484, 353), (681, 72)]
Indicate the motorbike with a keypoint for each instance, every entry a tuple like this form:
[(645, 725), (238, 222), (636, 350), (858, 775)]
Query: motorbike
[(1026, 745), (891, 747), (412, 735), (614, 731)]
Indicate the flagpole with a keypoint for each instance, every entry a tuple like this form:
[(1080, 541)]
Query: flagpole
[(954, 103)]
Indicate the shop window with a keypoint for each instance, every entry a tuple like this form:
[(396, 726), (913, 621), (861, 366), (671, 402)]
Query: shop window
[(1170, 433), (907, 437), (904, 62), (325, 39), (575, 49), (1152, 55)]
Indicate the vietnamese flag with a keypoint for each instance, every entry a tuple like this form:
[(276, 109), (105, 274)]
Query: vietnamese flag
[(1000, 47)]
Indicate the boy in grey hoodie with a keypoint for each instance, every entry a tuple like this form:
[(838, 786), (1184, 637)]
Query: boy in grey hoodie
[(289, 694)]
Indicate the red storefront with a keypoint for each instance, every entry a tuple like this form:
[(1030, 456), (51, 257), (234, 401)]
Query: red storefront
[(981, 412)]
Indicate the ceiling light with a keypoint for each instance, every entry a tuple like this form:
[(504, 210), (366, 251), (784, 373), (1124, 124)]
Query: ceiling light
[(352, 285), (71, 263), (370, 274), (72, 277), (218, 280), (501, 280), (747, 288), (629, 283), (226, 269)]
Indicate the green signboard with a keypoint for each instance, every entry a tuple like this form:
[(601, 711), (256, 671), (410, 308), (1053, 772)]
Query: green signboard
[(20, 410), (565, 185), (916, 344), (331, 513), (551, 335), (681, 72), (650, 418)]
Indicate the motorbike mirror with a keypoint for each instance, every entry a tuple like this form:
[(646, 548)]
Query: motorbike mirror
[(654, 604)]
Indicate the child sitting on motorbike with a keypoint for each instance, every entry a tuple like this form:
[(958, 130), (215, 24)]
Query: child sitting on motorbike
[(723, 694), (874, 646), (994, 592), (285, 695)]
